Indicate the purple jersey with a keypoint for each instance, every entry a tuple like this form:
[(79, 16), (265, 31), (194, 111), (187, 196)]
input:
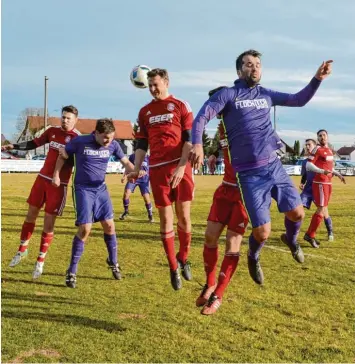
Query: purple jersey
[(144, 167), (91, 159), (246, 117), (307, 189)]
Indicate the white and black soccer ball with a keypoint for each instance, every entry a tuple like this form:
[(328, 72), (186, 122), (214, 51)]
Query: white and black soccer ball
[(139, 77)]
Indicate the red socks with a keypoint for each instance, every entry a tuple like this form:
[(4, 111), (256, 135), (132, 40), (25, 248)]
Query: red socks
[(210, 258), (168, 244), (26, 233), (314, 225), (46, 240), (185, 243), (229, 265)]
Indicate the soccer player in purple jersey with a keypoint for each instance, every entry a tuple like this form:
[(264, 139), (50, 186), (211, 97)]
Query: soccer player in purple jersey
[(252, 145), (307, 193), (92, 202), (143, 184)]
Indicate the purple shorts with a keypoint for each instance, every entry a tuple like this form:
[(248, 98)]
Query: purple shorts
[(306, 199), (92, 204), (143, 186), (261, 184)]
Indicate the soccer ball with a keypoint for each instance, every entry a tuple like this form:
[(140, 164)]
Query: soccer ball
[(139, 76)]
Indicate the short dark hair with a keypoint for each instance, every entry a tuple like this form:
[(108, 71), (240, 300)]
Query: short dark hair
[(319, 131), (105, 126), (311, 140), (70, 108), (212, 92), (250, 52), (162, 72)]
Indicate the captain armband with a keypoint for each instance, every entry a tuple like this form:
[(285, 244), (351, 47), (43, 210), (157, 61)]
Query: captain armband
[(142, 144), (26, 145), (186, 136)]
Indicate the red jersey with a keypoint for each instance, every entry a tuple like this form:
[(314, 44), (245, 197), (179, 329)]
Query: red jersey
[(322, 157), (57, 138), (229, 173), (162, 123)]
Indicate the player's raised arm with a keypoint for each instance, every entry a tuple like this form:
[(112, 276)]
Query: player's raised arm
[(213, 106), (302, 97)]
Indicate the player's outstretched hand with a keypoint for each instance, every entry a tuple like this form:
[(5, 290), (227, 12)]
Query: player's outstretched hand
[(342, 179), (141, 173), (7, 147), (324, 70), (124, 178), (301, 186), (177, 176), (56, 181), (196, 156)]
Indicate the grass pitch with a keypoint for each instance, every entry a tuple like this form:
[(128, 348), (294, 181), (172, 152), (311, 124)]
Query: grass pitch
[(303, 313)]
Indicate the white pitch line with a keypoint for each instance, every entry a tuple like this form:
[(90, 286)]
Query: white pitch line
[(311, 255)]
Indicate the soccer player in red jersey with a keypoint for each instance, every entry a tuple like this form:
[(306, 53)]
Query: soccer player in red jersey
[(321, 162), (165, 125), (43, 193), (227, 210)]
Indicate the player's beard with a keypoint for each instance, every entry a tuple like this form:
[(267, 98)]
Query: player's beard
[(252, 81)]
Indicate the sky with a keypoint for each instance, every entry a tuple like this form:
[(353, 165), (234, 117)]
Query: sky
[(88, 48)]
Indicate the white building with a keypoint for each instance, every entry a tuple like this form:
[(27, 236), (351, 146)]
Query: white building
[(347, 153)]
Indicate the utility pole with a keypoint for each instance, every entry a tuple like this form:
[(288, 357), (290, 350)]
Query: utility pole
[(45, 107)]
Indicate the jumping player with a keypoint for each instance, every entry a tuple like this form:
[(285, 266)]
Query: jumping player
[(42, 192), (252, 144), (227, 210), (165, 125), (91, 198), (321, 162), (143, 184)]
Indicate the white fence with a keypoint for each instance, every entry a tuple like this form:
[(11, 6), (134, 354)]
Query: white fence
[(22, 165)]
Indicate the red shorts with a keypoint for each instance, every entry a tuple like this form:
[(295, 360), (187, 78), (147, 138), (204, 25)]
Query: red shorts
[(43, 192), (163, 194), (321, 194), (228, 209)]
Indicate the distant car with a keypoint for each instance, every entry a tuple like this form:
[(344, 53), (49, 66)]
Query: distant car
[(6, 155), (39, 157)]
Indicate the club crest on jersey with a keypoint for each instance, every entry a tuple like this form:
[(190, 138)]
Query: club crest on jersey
[(223, 143), (161, 118), (67, 139), (170, 106)]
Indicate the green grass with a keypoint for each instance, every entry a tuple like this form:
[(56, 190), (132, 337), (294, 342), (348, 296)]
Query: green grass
[(303, 313)]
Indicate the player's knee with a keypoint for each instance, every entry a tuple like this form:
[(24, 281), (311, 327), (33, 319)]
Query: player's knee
[(211, 239), (296, 215), (184, 223), (84, 232), (261, 235)]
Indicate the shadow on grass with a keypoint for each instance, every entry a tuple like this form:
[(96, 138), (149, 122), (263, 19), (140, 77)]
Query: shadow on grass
[(65, 319), (47, 298), (48, 274), (34, 282)]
